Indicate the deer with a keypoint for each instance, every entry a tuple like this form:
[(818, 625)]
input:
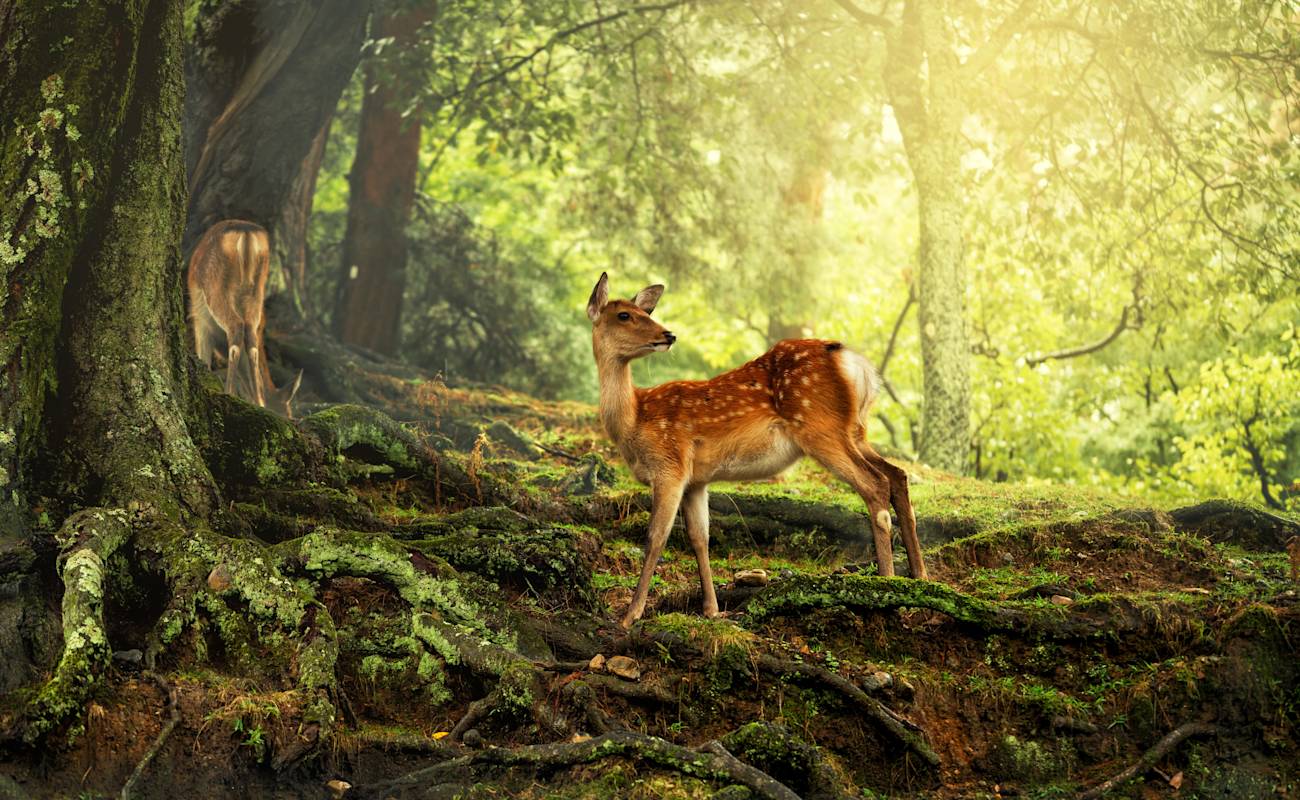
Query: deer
[(803, 397), (227, 288)]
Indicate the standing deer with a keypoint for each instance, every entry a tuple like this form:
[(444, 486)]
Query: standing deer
[(802, 397), (227, 286)]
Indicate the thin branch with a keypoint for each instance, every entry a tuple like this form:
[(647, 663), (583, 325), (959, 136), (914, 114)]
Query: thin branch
[(865, 17), (1150, 757), (893, 335), (568, 33), (1015, 23), (1083, 350)]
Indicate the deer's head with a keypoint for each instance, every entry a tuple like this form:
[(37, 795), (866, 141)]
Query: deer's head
[(623, 329), (281, 400)]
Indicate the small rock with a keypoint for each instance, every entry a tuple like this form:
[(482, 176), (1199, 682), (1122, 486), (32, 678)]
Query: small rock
[(597, 663), (338, 788), (877, 680), (128, 656), (752, 577), (785, 574), (220, 579), (472, 738), (1061, 600), (624, 667), (1008, 558)]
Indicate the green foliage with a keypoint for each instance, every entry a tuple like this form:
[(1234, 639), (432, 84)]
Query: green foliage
[(1131, 234)]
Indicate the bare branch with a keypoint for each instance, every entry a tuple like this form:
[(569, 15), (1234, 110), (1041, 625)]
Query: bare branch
[(1015, 23), (865, 17), (1083, 350), (893, 335)]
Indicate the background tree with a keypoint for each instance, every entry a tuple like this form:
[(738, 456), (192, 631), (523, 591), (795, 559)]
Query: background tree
[(372, 276), (263, 77)]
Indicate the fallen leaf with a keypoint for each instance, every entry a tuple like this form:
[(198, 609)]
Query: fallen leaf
[(442, 734)]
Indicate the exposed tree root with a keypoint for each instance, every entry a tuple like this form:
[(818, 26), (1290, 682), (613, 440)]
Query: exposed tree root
[(1103, 617), (89, 538), (372, 436), (711, 762), (172, 719), (905, 732), (1148, 760)]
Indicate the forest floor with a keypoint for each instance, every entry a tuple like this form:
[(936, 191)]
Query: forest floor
[(1066, 635)]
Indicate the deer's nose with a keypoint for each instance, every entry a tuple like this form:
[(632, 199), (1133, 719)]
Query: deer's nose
[(669, 337)]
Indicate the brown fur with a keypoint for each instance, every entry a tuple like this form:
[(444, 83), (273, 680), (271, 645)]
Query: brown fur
[(802, 397), (227, 288)]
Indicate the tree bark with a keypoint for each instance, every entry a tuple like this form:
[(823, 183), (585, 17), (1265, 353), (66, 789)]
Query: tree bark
[(924, 89), (97, 370), (372, 277), (290, 247), (264, 76), (99, 385)]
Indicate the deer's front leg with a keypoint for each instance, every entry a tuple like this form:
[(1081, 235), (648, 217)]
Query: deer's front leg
[(667, 494), (695, 507)]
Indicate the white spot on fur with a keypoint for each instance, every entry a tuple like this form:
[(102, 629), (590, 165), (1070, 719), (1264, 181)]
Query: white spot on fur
[(882, 519)]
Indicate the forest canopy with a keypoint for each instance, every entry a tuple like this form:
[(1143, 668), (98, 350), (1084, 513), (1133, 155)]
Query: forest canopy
[(1112, 213)]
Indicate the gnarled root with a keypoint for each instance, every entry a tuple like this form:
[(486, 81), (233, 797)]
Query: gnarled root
[(711, 762), (89, 538), (377, 438)]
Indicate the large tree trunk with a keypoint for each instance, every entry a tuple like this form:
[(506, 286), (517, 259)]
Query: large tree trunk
[(929, 110), (264, 77), (99, 385), (96, 368), (373, 273)]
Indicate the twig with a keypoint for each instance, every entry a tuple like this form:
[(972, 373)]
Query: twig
[(888, 719), (173, 719), (1150, 757)]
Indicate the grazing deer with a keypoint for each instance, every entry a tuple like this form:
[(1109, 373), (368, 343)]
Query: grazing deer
[(802, 397), (227, 286)]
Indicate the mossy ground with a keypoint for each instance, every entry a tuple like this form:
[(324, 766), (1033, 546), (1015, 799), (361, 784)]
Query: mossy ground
[(1162, 627)]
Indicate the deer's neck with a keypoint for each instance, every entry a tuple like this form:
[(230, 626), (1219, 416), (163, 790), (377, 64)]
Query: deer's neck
[(617, 397)]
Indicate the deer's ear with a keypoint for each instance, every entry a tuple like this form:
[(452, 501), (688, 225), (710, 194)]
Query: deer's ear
[(648, 298), (599, 296)]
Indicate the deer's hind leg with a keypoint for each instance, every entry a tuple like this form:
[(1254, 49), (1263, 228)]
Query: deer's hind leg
[(205, 327), (839, 454), (901, 499)]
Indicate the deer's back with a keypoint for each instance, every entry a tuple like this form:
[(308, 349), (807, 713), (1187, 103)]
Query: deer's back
[(229, 266)]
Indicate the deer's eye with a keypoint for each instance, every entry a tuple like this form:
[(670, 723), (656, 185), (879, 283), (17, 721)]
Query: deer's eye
[(624, 316)]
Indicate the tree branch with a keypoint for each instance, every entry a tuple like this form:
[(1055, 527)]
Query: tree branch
[(893, 335), (1083, 350), (865, 17), (988, 53), (1150, 757)]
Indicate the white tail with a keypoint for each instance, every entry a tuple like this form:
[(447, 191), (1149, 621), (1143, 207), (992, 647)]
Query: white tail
[(802, 397), (227, 288)]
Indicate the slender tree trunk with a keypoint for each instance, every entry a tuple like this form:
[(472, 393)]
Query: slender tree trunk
[(372, 278), (929, 109), (264, 76)]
